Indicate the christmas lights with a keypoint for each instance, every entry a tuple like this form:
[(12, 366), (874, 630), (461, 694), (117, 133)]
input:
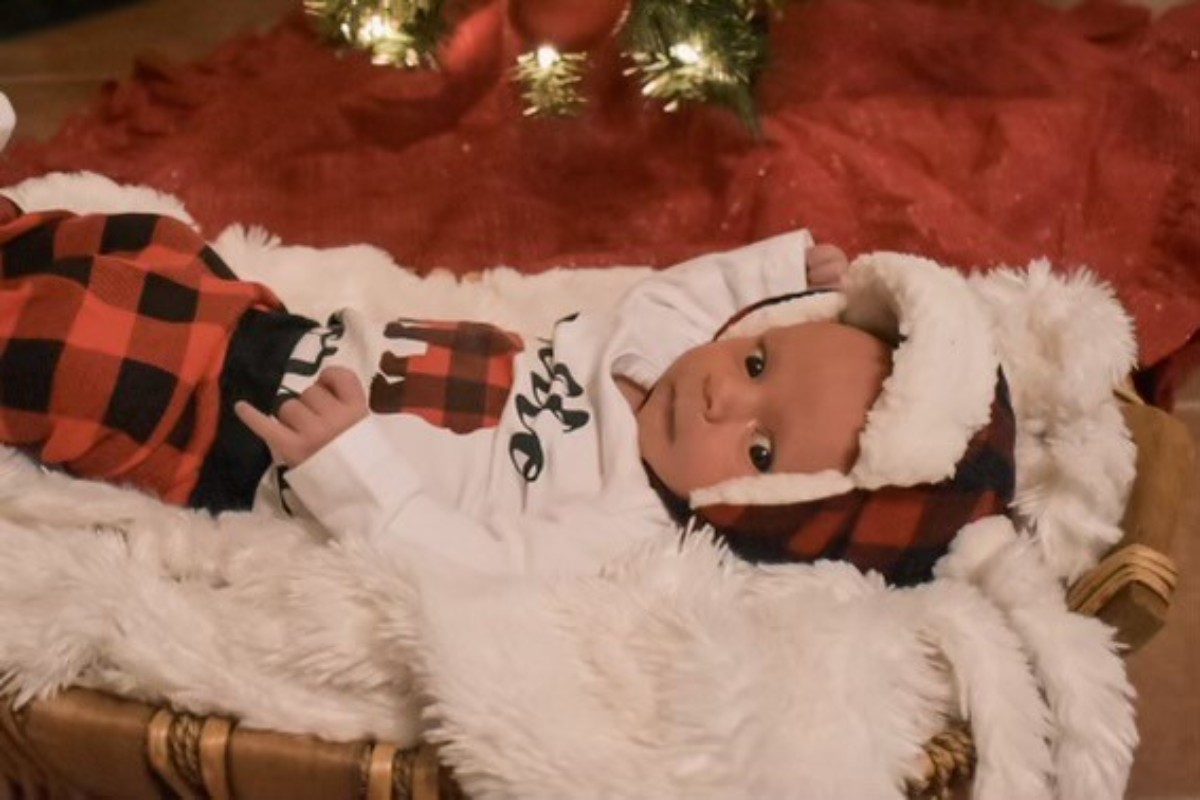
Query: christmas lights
[(550, 81), (395, 32), (682, 51)]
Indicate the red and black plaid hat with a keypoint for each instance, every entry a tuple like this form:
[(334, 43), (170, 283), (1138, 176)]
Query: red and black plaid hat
[(899, 531), (937, 449)]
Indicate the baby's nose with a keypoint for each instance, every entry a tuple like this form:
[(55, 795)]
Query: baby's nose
[(725, 400)]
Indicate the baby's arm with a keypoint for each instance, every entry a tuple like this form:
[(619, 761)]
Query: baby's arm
[(363, 491), (305, 424), (354, 481)]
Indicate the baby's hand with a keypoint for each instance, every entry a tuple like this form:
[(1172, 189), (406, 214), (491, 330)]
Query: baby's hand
[(305, 424), (826, 266)]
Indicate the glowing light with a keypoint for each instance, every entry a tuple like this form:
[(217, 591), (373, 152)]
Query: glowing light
[(687, 53), (373, 28), (547, 56)]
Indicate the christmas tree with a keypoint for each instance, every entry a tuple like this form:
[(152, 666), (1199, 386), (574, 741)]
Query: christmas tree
[(681, 51)]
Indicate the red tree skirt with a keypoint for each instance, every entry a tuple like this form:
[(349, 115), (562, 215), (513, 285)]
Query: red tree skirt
[(976, 132)]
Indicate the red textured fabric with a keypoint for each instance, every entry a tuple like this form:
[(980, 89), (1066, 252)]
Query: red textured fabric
[(975, 132), (113, 336)]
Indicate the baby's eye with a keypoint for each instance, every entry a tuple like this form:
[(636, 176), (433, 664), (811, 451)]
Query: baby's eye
[(756, 362), (762, 453)]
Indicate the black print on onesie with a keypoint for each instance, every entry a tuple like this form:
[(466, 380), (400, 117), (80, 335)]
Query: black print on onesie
[(310, 353), (551, 391)]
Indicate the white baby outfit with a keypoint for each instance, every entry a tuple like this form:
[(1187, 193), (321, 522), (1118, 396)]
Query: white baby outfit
[(556, 483)]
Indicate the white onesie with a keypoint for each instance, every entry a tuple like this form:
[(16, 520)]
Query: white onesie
[(515, 455)]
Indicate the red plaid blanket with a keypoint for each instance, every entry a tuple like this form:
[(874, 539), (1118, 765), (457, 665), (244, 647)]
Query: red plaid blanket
[(113, 335)]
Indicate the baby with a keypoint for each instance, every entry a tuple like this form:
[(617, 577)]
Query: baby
[(717, 413), (132, 354)]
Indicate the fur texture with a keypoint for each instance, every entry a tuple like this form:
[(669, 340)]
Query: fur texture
[(1065, 343), (8, 120), (677, 672)]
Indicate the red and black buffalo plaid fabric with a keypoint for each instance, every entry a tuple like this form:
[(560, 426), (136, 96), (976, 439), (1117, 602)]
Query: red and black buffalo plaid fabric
[(900, 532), (114, 331), (461, 382)]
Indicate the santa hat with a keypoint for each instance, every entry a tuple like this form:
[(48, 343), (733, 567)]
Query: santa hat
[(937, 448)]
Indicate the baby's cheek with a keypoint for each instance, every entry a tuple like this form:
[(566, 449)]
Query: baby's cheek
[(696, 457), (705, 460), (653, 446)]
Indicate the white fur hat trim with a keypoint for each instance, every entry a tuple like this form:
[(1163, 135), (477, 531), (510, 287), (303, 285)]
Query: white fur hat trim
[(765, 490), (937, 397), (8, 120)]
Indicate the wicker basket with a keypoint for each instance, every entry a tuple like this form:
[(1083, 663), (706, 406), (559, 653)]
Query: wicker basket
[(87, 744)]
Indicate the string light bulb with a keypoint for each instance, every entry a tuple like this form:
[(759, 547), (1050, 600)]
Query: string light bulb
[(687, 53), (547, 56), (397, 32), (697, 51), (374, 28), (549, 81)]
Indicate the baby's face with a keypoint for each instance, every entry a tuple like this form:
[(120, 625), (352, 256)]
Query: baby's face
[(791, 400)]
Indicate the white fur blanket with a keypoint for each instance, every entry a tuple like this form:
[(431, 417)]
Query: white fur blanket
[(678, 671)]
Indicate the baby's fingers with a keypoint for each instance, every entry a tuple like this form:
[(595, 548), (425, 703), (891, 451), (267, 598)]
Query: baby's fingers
[(279, 439), (319, 400), (299, 415), (827, 266), (260, 424), (344, 385)]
